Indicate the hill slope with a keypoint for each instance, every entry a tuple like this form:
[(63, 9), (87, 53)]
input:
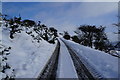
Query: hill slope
[(27, 57)]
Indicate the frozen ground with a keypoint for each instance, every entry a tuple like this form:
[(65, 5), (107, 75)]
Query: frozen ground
[(27, 56), (104, 63)]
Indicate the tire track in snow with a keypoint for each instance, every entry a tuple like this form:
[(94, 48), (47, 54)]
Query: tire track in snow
[(49, 71), (82, 71)]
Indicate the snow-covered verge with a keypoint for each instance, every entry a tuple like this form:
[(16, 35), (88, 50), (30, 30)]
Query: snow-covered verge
[(27, 57), (102, 62)]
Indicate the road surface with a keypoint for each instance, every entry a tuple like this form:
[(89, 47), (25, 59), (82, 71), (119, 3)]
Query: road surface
[(64, 63)]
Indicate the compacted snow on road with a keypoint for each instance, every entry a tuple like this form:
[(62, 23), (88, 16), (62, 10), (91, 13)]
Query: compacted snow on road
[(102, 62), (66, 67)]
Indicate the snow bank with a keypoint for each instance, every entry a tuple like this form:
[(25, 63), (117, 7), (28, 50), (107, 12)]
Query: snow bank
[(104, 63), (27, 56)]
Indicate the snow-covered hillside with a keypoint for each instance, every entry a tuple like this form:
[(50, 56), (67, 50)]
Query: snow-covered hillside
[(27, 57), (25, 51), (102, 62)]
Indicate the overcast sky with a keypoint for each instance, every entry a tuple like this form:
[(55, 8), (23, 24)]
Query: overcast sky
[(67, 16)]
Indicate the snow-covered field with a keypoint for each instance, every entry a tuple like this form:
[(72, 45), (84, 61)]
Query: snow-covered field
[(27, 57), (103, 63)]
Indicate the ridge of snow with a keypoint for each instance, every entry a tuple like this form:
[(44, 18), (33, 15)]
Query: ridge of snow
[(104, 63)]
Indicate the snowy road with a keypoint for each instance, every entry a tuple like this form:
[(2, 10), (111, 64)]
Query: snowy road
[(50, 68), (66, 68), (82, 71), (71, 65)]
